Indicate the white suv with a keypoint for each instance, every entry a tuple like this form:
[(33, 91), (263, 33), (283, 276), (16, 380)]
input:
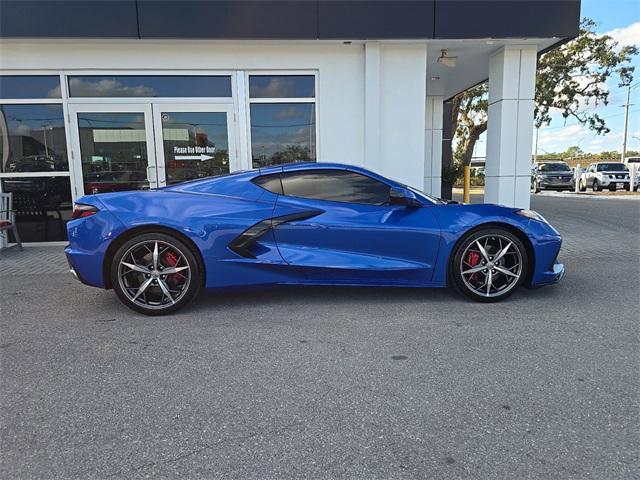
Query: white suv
[(634, 161), (606, 175)]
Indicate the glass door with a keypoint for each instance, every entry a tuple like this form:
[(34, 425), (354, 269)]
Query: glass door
[(193, 141), (116, 147)]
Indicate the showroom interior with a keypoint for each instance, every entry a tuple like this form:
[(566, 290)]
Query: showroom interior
[(135, 94)]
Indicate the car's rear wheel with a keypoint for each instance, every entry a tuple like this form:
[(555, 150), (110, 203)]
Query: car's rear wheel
[(155, 274), (596, 186), (489, 265), (582, 187)]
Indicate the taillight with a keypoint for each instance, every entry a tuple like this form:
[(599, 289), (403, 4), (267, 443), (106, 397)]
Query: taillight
[(80, 210)]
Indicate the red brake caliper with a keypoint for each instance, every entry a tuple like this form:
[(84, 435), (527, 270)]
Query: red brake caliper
[(171, 260), (473, 259)]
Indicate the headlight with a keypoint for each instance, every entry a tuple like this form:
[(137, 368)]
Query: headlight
[(612, 176), (532, 215)]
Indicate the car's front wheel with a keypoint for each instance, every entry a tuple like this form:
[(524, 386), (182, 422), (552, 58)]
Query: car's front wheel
[(155, 274), (489, 265)]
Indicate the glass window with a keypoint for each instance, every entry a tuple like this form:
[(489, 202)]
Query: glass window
[(335, 185), (42, 205), (554, 167), (282, 133), (271, 183), (195, 145), (149, 86), (113, 151), (612, 167), (282, 86), (32, 138), (29, 86)]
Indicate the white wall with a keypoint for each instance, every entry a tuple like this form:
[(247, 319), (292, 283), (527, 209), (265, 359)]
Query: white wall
[(401, 70), (512, 76)]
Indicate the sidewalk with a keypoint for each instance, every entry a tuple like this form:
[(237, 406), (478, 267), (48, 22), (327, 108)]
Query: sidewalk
[(32, 261)]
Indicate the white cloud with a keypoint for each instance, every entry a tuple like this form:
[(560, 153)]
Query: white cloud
[(629, 35)]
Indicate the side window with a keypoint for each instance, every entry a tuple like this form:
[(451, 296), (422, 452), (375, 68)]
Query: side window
[(271, 183), (336, 186)]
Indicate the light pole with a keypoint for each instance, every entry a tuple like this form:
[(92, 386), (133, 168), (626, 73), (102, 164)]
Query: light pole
[(626, 124), (44, 134)]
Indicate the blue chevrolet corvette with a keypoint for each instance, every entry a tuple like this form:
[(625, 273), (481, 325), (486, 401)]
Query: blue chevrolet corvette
[(304, 223)]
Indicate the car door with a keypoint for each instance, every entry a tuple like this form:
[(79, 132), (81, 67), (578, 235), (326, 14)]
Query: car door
[(347, 230), (590, 174)]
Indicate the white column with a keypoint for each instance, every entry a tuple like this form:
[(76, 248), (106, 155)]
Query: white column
[(433, 145), (372, 105), (512, 75)]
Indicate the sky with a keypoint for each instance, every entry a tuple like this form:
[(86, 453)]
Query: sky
[(621, 20)]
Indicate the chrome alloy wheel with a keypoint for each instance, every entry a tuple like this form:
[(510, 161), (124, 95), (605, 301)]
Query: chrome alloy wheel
[(491, 265), (154, 274)]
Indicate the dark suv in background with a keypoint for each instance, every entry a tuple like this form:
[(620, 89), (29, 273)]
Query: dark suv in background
[(551, 176)]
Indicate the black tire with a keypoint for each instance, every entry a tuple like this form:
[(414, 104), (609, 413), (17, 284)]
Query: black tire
[(582, 187), (596, 186), (612, 187), (186, 290), (627, 188), (456, 264)]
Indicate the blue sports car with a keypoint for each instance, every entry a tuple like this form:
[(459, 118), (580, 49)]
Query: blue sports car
[(303, 223)]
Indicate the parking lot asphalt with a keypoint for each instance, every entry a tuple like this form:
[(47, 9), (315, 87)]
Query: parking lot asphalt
[(333, 383)]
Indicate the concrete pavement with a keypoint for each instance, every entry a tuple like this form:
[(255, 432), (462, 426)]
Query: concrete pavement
[(334, 383)]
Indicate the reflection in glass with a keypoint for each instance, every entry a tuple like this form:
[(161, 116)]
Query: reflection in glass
[(282, 86), (195, 145), (283, 133), (113, 149), (149, 86), (336, 186), (43, 206), (32, 139), (30, 86)]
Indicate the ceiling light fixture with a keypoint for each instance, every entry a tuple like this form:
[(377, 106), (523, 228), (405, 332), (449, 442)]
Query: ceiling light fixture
[(443, 59)]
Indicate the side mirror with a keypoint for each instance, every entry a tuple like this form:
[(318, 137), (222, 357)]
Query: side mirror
[(403, 196)]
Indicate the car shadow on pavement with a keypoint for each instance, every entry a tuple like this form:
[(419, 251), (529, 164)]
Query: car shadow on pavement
[(321, 296)]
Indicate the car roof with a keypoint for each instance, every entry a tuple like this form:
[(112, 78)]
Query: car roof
[(294, 167)]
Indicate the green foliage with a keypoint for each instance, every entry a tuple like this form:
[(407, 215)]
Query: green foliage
[(469, 115), (575, 152), (571, 79), (452, 173)]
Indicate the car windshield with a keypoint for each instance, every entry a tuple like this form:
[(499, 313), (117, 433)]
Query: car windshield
[(554, 167), (612, 167)]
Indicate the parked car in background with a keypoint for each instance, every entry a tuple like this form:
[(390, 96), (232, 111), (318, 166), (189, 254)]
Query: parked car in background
[(611, 175), (551, 176), (629, 161)]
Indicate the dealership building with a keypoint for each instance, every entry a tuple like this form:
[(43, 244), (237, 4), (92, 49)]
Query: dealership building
[(108, 95)]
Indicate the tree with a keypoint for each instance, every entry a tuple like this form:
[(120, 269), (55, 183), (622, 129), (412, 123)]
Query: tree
[(570, 79), (573, 151)]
